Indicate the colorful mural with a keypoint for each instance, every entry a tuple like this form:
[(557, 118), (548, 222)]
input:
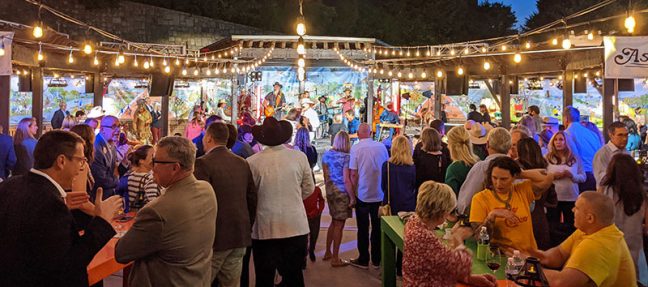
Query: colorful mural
[(20, 103)]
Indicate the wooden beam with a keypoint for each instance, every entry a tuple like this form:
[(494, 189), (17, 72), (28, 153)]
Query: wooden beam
[(97, 83), (37, 98), (492, 92), (5, 92)]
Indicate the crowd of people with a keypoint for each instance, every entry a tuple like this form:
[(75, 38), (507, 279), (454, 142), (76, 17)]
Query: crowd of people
[(207, 200)]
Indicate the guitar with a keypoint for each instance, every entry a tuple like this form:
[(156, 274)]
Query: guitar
[(270, 111)]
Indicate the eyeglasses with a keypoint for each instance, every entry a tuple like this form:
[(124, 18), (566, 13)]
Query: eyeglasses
[(155, 161), (81, 159)]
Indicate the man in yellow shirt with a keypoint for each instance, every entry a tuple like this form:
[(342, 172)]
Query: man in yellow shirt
[(594, 255)]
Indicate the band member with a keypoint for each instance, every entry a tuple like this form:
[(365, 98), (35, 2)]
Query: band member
[(347, 101), (274, 102), (245, 102)]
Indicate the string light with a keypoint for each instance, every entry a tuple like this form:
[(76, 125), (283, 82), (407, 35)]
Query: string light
[(630, 23), (566, 43), (164, 62), (38, 29), (452, 52), (135, 62), (167, 69), (117, 62), (216, 71), (466, 51), (301, 27), (590, 35), (528, 45), (560, 77), (423, 75), (95, 61), (40, 55), (151, 63), (177, 62), (504, 48), (483, 49), (390, 73), (147, 65), (208, 72), (120, 57), (399, 74), (381, 71), (517, 58), (460, 71), (439, 74), (87, 48), (184, 71), (70, 57), (554, 41), (301, 47), (487, 65), (410, 75), (418, 54)]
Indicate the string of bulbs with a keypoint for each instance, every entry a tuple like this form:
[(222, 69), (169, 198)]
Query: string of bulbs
[(301, 45)]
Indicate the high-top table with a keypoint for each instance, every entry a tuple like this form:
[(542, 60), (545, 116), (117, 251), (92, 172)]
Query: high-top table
[(392, 234), (104, 264)]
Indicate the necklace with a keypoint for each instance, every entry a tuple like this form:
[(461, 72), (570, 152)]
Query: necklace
[(507, 202)]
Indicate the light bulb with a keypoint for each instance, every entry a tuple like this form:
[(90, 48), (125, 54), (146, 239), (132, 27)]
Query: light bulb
[(418, 54), (381, 71), (598, 73), (390, 73), (528, 45), (70, 59), (38, 31), (504, 47), (117, 62), (410, 75), (554, 41), (566, 43), (208, 72), (586, 75), (301, 50), (452, 52), (151, 63), (195, 72), (630, 24), (146, 65), (301, 29), (427, 53), (460, 71), (400, 53), (216, 71), (393, 52), (135, 62), (487, 65), (187, 61), (483, 49), (590, 36), (301, 62), (184, 72), (517, 58), (423, 75), (87, 48), (167, 69), (466, 51), (40, 56), (164, 62), (560, 77), (439, 74), (575, 76), (121, 59), (408, 53), (399, 74), (95, 61)]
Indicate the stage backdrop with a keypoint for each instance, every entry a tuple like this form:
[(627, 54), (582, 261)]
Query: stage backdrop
[(68, 88)]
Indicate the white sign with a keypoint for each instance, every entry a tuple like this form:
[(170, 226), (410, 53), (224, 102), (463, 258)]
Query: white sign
[(5, 60), (626, 57)]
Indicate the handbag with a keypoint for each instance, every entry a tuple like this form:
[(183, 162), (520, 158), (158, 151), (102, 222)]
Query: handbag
[(385, 209)]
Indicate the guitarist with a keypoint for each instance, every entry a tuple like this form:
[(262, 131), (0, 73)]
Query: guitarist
[(274, 102)]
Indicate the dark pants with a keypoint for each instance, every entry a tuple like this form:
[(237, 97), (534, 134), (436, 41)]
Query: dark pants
[(366, 211), (285, 255), (245, 272), (314, 227), (589, 184), (561, 230)]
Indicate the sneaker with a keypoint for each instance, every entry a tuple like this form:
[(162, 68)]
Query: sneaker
[(357, 263)]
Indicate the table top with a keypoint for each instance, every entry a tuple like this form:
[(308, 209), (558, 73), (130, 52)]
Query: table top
[(104, 264), (396, 231)]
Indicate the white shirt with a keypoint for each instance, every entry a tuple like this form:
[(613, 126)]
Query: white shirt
[(58, 186), (474, 182), (284, 180), (313, 118), (367, 157), (221, 113), (602, 159), (567, 188)]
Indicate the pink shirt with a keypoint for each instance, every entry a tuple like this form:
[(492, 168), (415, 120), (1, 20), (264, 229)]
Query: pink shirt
[(193, 130), (428, 262)]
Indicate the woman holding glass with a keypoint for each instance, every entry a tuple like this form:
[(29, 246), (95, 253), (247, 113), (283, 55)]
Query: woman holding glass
[(427, 261)]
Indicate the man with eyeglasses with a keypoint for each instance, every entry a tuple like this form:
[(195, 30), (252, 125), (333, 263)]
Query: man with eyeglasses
[(104, 166), (41, 245), (172, 237)]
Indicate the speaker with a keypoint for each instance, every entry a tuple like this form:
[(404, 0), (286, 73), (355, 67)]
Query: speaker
[(580, 85), (626, 85), (89, 84), (24, 83), (456, 85), (161, 85)]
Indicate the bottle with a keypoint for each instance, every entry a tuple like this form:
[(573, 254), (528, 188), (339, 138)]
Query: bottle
[(483, 244), (517, 260), (511, 269)]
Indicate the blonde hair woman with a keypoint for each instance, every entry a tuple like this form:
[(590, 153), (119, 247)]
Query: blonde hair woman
[(335, 163), (431, 163), (462, 155), (427, 261), (24, 144), (399, 181)]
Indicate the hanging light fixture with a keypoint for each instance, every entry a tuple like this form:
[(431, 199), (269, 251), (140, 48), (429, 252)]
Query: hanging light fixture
[(40, 55), (95, 61), (135, 62), (184, 71), (151, 63), (120, 56), (70, 57)]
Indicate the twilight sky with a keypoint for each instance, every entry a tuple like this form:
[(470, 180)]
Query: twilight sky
[(521, 8)]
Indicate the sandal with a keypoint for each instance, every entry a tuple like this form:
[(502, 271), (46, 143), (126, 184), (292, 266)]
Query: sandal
[(338, 263), (327, 256)]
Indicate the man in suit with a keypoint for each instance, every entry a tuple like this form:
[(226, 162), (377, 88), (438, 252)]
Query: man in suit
[(231, 178), (198, 141), (41, 245), (7, 154), (172, 237), (59, 116), (104, 166)]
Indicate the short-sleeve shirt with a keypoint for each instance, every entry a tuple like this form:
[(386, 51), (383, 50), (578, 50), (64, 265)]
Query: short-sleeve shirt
[(520, 236), (336, 162), (353, 126), (367, 157), (603, 256)]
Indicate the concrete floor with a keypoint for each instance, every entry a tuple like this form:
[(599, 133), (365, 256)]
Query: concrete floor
[(319, 273)]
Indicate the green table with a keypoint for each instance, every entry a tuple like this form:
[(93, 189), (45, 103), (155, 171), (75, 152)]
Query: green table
[(392, 234)]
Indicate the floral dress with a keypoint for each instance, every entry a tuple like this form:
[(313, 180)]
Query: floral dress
[(334, 163)]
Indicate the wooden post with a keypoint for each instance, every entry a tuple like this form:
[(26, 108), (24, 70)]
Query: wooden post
[(97, 83), (568, 88), (5, 92), (505, 99), (439, 90), (608, 105), (37, 98), (236, 88), (370, 102)]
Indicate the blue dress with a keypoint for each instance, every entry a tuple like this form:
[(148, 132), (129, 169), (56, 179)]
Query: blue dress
[(402, 186)]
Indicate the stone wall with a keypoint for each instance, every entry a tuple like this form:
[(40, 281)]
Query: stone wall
[(132, 21)]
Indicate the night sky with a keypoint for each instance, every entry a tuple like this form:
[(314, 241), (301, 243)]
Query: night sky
[(521, 8)]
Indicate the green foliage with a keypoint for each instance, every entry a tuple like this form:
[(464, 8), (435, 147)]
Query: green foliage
[(398, 22)]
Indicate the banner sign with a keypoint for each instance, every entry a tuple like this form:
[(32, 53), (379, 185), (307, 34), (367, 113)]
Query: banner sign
[(626, 57), (5, 60)]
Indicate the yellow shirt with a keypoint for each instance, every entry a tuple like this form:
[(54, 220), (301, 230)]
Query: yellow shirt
[(506, 234), (603, 256)]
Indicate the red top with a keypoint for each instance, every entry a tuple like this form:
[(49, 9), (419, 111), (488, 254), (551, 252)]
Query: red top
[(314, 204)]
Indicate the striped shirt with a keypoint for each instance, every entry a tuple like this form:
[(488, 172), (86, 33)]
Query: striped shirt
[(142, 189)]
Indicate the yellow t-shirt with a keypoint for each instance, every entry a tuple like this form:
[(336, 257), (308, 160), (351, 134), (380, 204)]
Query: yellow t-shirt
[(507, 235), (603, 256)]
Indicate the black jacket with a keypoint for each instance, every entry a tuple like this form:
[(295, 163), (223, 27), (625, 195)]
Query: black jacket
[(57, 119), (39, 242)]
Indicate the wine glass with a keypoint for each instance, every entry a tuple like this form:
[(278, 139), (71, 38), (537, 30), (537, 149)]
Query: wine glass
[(493, 261)]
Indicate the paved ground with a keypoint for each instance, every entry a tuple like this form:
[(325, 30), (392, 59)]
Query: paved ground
[(319, 273)]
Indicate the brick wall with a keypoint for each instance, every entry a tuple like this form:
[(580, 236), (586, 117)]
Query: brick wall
[(132, 21)]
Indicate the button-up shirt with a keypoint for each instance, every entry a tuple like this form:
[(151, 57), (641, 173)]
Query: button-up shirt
[(583, 143), (474, 182), (58, 186), (602, 159), (284, 179), (367, 158)]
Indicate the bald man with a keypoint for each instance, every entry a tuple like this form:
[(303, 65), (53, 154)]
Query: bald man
[(105, 157), (594, 255)]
